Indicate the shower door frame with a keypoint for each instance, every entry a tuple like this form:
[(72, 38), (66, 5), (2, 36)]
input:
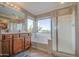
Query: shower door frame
[(61, 52)]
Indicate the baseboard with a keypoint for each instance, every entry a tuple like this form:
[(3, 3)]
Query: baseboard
[(61, 54), (40, 49), (40, 46)]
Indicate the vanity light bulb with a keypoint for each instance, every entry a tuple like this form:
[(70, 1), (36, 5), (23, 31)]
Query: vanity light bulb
[(15, 6), (11, 5)]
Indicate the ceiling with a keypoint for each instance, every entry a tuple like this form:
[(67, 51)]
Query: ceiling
[(37, 8)]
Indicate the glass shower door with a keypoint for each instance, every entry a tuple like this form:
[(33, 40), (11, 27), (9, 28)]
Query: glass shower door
[(66, 34), (63, 34)]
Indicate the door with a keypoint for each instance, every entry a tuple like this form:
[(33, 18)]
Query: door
[(63, 35), (66, 34)]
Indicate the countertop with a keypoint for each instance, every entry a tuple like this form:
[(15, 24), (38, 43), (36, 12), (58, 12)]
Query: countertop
[(13, 32)]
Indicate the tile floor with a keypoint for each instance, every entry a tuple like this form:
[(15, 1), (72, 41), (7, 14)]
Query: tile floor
[(32, 53)]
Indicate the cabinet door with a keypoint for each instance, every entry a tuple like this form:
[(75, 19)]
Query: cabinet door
[(0, 44), (5, 47), (27, 41), (18, 45), (22, 36), (9, 37)]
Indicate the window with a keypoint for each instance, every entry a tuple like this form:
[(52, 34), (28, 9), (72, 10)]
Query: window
[(44, 26), (10, 27), (44, 30), (19, 27), (30, 25)]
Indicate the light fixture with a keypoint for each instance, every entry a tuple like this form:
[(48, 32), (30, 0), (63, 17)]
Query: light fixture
[(15, 6), (11, 5)]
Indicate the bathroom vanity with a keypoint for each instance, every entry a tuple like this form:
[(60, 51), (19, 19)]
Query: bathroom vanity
[(13, 43)]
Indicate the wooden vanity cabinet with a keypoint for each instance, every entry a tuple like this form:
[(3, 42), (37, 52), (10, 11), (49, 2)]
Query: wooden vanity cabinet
[(14, 43), (17, 44), (27, 41), (22, 36), (9, 37), (0, 44), (21, 42), (4, 46)]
